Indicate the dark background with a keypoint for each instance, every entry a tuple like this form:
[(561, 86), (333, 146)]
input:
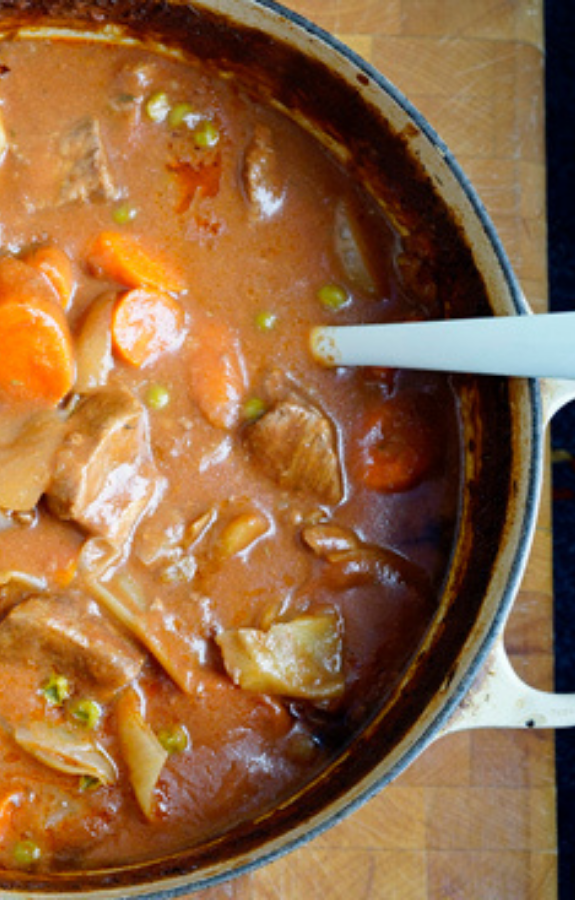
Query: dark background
[(560, 105)]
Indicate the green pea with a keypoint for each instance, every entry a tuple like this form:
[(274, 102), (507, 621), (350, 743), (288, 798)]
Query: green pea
[(179, 114), (157, 106), (206, 135), (253, 409), (265, 320), (332, 296), (26, 853), (174, 739), (157, 396), (56, 690), (124, 213), (87, 712), (89, 782)]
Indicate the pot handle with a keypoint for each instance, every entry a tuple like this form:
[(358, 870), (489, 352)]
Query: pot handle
[(498, 698), (556, 393)]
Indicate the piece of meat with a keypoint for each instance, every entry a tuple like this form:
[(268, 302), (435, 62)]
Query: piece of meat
[(86, 173), (68, 634), (261, 178), (104, 477), (295, 444)]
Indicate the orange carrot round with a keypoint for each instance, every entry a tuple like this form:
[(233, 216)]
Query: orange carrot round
[(123, 258), (55, 265), (21, 282), (396, 446), (217, 371), (145, 324), (37, 359)]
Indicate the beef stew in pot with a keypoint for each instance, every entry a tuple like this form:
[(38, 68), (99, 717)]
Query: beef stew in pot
[(217, 558)]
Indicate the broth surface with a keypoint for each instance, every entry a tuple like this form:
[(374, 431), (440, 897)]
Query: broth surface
[(134, 720)]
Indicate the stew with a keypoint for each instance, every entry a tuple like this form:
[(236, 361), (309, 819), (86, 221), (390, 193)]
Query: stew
[(216, 557)]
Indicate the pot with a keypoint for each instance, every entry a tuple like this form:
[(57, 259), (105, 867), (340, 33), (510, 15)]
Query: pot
[(461, 677)]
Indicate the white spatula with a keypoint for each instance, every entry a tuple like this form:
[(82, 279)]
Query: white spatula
[(531, 346)]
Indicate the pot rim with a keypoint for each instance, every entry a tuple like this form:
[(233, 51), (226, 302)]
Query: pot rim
[(341, 809)]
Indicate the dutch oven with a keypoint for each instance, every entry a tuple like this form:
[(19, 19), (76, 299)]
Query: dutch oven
[(461, 677)]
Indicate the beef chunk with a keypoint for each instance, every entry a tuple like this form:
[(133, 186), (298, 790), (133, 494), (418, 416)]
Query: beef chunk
[(69, 634), (104, 478), (295, 444), (262, 181), (86, 173)]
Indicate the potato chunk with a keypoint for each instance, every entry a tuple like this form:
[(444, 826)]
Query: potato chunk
[(301, 659)]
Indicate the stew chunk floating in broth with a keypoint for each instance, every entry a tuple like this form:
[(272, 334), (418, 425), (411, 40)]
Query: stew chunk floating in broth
[(216, 557)]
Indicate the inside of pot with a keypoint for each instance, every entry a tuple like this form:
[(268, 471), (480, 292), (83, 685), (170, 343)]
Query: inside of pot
[(237, 589)]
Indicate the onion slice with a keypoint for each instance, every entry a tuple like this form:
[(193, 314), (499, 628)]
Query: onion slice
[(66, 750), (142, 751), (301, 659)]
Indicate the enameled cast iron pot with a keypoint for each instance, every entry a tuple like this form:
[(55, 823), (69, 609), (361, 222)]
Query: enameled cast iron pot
[(461, 677)]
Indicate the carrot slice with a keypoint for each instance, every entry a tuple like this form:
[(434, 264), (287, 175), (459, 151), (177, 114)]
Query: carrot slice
[(396, 447), (146, 323), (123, 258), (21, 282), (202, 178), (37, 358), (217, 372), (55, 265)]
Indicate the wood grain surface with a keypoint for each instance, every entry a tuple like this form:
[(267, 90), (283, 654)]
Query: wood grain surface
[(474, 817)]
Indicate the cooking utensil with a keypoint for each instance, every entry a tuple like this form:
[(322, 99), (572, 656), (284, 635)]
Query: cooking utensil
[(532, 346)]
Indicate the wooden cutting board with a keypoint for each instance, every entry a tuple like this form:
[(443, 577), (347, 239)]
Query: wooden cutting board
[(474, 817)]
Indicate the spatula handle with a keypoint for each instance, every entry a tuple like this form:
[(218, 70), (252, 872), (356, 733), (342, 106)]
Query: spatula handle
[(532, 346)]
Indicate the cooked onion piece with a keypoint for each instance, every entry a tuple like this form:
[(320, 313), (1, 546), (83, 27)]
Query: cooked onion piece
[(350, 250), (326, 538), (142, 751), (164, 630), (302, 658), (97, 556), (94, 359), (241, 532), (26, 461), (66, 750), (24, 580)]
